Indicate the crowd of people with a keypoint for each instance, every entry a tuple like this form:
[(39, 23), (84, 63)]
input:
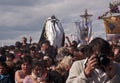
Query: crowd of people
[(96, 62)]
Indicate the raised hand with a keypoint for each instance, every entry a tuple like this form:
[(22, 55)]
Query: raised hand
[(90, 65)]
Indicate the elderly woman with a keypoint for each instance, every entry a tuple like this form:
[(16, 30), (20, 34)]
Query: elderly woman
[(60, 74)]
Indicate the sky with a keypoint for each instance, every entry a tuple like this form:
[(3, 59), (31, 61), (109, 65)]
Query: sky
[(26, 18)]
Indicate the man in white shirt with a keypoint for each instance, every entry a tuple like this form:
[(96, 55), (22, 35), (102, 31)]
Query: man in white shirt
[(96, 68)]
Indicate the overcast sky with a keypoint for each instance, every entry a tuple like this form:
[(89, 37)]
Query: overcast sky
[(20, 18)]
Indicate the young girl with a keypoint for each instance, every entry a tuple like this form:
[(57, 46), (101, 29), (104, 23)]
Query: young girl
[(25, 69)]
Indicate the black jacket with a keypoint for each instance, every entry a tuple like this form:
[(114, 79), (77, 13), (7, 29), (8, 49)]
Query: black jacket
[(6, 79)]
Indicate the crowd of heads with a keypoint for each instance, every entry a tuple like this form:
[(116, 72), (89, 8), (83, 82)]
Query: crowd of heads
[(44, 61)]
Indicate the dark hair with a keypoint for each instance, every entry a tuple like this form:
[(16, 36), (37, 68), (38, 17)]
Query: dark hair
[(32, 48), (74, 43), (18, 64), (47, 42), (85, 49), (2, 50), (100, 45), (25, 38), (35, 63), (11, 47), (3, 64), (26, 58), (10, 55), (18, 44)]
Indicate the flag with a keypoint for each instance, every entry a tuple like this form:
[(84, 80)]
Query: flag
[(84, 30), (112, 24)]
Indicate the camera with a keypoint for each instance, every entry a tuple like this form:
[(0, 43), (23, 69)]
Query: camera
[(103, 60)]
